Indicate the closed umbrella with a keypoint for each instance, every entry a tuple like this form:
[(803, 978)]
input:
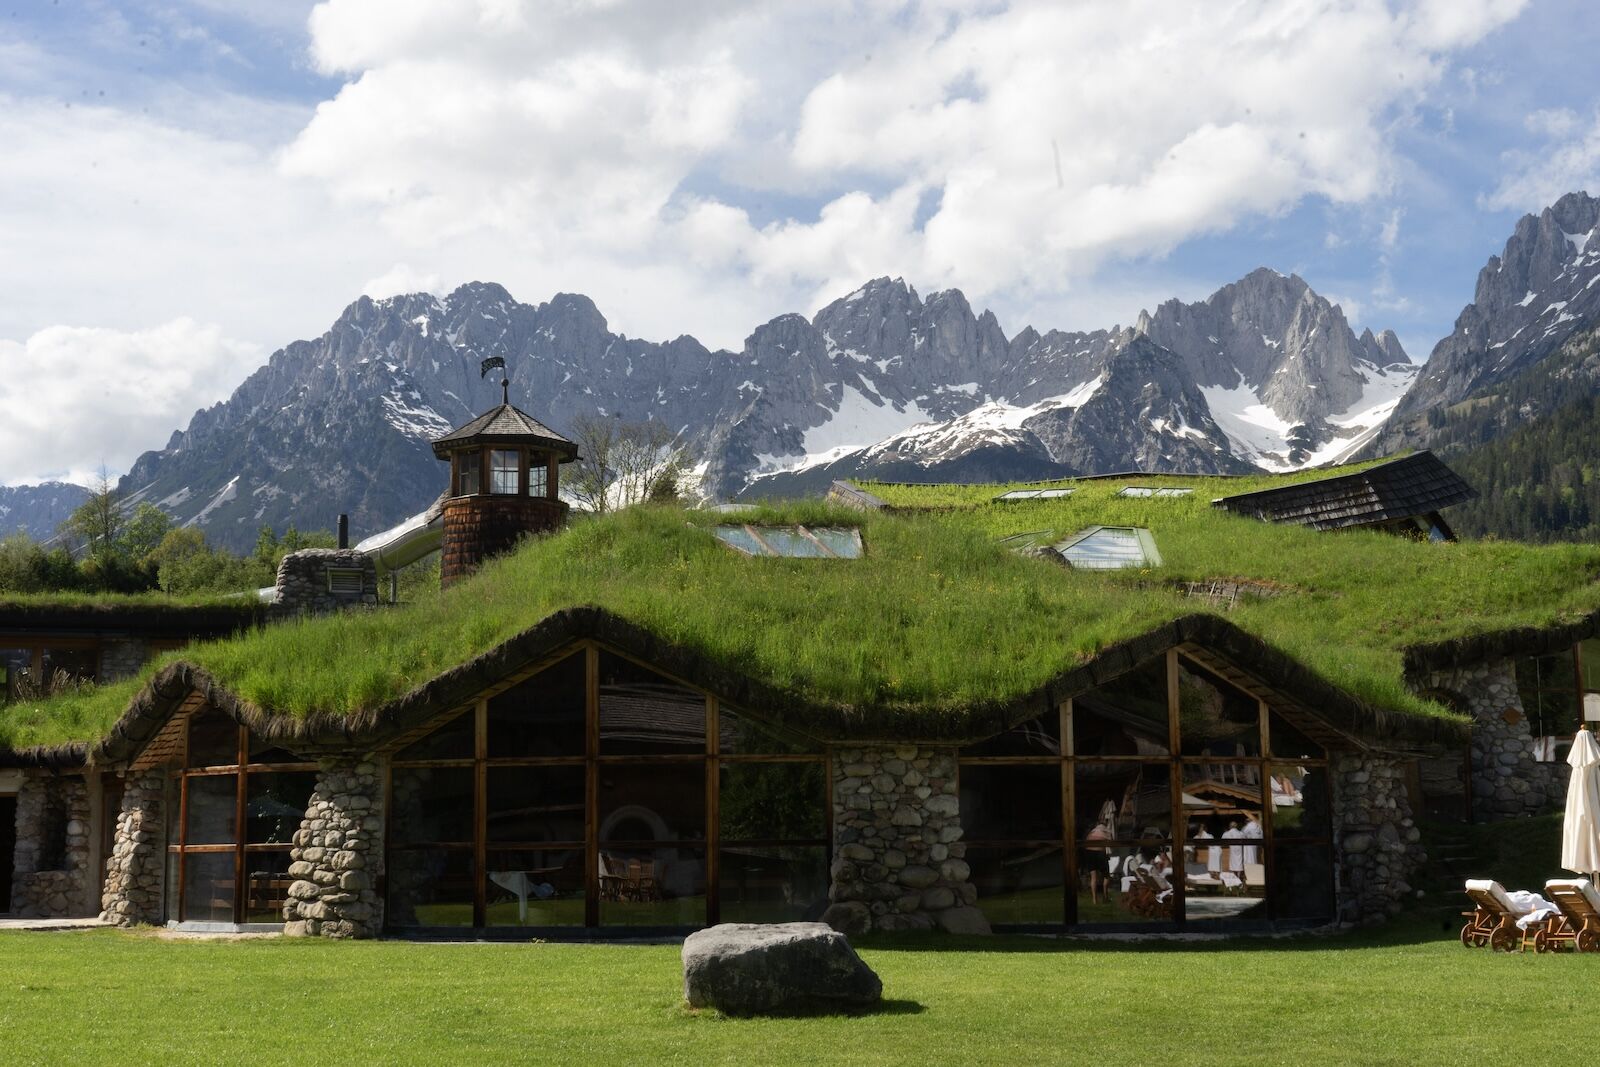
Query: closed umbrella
[(1580, 830)]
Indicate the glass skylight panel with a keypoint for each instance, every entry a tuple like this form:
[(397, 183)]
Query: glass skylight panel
[(792, 542), (1105, 548), (1151, 490), (1034, 494)]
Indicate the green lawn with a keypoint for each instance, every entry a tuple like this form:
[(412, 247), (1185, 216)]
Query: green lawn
[(1408, 995)]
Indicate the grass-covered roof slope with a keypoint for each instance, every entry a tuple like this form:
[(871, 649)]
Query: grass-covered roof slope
[(935, 621)]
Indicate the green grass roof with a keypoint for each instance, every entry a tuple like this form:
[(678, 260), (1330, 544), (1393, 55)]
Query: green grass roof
[(935, 618)]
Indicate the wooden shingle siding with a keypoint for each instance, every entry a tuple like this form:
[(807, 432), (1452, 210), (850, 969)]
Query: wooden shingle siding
[(1412, 486)]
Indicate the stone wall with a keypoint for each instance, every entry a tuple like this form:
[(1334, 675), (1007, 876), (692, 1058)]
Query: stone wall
[(338, 854), (50, 869), (1377, 846), (122, 657), (1507, 782), (898, 857), (137, 865), (303, 583)]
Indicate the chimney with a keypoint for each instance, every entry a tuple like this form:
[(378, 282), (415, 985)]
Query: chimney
[(344, 531)]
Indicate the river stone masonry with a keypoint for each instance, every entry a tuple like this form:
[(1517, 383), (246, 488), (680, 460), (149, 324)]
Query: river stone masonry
[(132, 892), (50, 866), (338, 855), (898, 858), (319, 580), (1376, 839), (1507, 782)]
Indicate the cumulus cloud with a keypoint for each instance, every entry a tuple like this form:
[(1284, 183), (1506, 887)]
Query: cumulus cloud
[(1568, 159), (78, 398)]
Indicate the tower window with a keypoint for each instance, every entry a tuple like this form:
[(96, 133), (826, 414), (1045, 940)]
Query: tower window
[(538, 477), (503, 464), (467, 473)]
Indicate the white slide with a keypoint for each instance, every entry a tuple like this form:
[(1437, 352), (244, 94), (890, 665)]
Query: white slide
[(407, 542)]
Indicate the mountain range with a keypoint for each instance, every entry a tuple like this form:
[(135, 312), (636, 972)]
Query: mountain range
[(1263, 374)]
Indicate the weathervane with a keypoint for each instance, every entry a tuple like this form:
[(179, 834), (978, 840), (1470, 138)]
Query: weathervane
[(505, 381)]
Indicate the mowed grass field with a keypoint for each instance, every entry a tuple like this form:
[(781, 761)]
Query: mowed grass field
[(1406, 995)]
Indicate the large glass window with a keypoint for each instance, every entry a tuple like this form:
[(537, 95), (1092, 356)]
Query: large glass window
[(503, 470), (1177, 811), (1555, 690), (232, 811), (603, 792)]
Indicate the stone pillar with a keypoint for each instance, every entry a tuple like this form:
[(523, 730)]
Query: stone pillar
[(1377, 846), (50, 870), (134, 873), (122, 657), (898, 858), (316, 581), (1507, 782), (338, 854)]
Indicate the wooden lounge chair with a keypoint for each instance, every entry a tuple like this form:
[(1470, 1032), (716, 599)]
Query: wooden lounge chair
[(1579, 922), (1494, 921)]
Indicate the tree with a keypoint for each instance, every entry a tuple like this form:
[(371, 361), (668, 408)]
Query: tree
[(96, 522), (143, 532), (590, 483)]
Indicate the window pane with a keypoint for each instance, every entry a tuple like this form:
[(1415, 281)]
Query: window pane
[(1018, 885), (740, 538), (1125, 717), (1215, 718), (1299, 800), (1011, 802), (741, 735), (453, 740), (652, 887), (773, 885), (213, 809), (208, 887), (213, 740), (16, 667), (529, 804), (1108, 548), (535, 888), (430, 887), (269, 752), (652, 801), (503, 471), (642, 713), (1287, 741), (1124, 801), (846, 544), (1134, 884), (1036, 737), (1547, 672), (431, 804), (791, 543), (1222, 810), (543, 716), (1302, 882), (773, 802), (468, 473), (538, 477), (172, 884), (75, 664), (266, 886), (1589, 652), (171, 799), (1552, 712), (276, 803)]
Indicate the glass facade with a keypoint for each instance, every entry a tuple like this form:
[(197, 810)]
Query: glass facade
[(598, 792), (233, 806), (1178, 798), (1556, 689)]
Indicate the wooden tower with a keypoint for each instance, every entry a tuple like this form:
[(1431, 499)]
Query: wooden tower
[(504, 473)]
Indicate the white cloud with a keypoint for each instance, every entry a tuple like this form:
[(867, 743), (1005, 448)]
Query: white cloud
[(1568, 161), (78, 398), (402, 278)]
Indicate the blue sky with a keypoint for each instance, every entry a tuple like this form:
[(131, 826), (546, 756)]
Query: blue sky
[(194, 183)]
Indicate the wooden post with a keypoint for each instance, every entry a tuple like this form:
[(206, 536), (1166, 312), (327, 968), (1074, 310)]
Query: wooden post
[(1069, 824), (241, 814), (480, 824), (1180, 829), (713, 813), (1269, 810), (591, 808)]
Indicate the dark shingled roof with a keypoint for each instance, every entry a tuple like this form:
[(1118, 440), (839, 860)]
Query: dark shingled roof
[(505, 425), (1412, 485)]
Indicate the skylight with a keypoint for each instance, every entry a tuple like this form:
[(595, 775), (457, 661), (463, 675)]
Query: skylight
[(795, 542), (1108, 548), (1152, 490), (1034, 494)]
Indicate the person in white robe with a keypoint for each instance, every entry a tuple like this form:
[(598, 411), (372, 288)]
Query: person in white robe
[(1252, 831), (1235, 852)]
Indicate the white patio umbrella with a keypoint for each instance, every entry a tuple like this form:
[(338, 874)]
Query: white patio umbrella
[(1580, 830)]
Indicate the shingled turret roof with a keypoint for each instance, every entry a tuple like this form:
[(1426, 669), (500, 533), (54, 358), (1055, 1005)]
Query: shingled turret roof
[(505, 425)]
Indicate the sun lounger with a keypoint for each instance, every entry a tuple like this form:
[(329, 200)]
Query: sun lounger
[(1579, 923), (1494, 921)]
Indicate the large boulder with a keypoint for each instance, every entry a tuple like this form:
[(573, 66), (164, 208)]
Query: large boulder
[(776, 969)]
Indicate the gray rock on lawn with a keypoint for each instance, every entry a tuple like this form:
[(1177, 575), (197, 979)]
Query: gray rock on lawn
[(776, 969)]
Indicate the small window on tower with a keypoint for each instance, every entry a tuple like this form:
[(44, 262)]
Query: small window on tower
[(503, 471), (467, 473), (538, 477)]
